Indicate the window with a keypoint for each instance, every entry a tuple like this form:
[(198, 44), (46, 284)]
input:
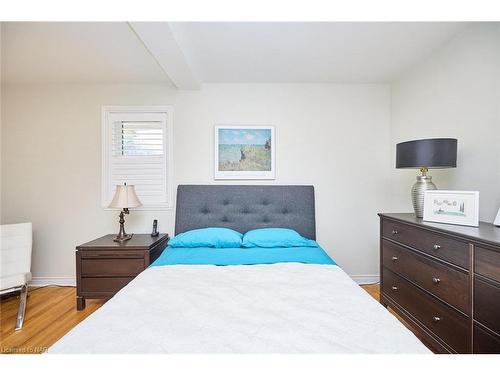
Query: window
[(137, 149)]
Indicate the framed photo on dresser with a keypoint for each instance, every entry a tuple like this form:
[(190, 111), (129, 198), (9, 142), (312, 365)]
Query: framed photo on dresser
[(452, 207)]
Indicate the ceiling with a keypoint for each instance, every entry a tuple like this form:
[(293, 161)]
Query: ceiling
[(43, 52), (307, 52), (189, 54)]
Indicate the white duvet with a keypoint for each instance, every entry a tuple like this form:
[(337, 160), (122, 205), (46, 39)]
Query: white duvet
[(275, 308)]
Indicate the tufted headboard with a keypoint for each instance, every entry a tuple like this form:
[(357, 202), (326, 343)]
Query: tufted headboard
[(246, 207)]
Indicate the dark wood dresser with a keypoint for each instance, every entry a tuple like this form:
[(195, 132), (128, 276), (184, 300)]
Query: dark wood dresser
[(444, 281), (103, 266)]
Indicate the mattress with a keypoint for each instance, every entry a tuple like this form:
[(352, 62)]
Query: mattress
[(262, 308)]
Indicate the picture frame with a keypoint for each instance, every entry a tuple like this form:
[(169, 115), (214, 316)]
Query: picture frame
[(497, 219), (244, 152), (452, 207)]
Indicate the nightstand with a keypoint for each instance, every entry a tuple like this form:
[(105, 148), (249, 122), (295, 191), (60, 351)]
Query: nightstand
[(103, 266)]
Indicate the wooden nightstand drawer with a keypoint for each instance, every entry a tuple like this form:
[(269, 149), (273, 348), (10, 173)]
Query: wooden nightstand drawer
[(439, 246), (104, 285), (448, 324), (449, 284), (103, 254), (112, 267)]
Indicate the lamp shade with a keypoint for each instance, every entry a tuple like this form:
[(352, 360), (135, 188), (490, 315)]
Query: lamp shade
[(430, 153), (125, 197)]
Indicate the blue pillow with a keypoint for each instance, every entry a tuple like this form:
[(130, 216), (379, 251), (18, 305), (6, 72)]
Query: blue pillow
[(207, 237), (275, 237)]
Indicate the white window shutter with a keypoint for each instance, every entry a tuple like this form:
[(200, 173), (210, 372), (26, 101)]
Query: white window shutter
[(137, 149)]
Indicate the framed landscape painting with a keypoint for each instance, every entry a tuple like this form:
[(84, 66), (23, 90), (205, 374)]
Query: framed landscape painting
[(244, 152)]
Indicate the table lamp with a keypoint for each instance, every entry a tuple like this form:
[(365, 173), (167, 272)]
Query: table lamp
[(125, 198), (425, 154)]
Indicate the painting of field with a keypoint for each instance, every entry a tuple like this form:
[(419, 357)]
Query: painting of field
[(244, 149)]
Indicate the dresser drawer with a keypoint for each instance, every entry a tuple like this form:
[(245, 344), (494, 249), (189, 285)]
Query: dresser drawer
[(485, 342), (487, 262), (443, 321), (487, 304), (103, 285), (112, 267), (444, 282), (438, 245)]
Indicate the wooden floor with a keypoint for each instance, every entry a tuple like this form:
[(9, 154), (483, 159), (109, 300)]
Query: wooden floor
[(373, 290), (50, 314)]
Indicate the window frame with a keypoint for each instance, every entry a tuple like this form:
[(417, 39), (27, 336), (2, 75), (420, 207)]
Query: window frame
[(167, 110)]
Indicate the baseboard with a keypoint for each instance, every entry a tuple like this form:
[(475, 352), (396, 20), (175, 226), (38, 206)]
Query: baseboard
[(43, 281), (365, 279), (70, 281)]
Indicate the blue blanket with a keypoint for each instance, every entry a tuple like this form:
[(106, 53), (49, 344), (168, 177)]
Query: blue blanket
[(240, 256)]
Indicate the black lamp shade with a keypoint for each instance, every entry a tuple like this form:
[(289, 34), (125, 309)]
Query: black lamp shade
[(430, 153)]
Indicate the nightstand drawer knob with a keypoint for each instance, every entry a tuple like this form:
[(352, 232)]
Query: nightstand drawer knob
[(436, 319), (436, 280), (394, 288), (394, 258), (437, 247), (395, 231)]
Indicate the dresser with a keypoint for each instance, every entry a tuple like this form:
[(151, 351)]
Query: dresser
[(443, 281), (103, 266)]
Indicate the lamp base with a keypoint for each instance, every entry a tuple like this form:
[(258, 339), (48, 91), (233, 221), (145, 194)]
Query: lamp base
[(123, 239), (122, 236), (418, 190)]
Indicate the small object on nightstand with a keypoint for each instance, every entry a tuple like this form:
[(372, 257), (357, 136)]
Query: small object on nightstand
[(104, 266), (124, 198), (154, 232)]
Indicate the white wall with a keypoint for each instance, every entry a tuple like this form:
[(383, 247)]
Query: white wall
[(336, 137), (455, 93)]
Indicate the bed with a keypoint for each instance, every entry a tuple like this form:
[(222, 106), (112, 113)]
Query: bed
[(242, 300)]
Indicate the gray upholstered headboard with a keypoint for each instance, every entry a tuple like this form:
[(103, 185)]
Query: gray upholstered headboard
[(246, 207)]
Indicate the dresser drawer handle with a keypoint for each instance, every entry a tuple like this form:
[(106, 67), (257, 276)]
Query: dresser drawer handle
[(436, 319), (394, 288), (395, 231), (436, 280), (437, 247), (394, 258)]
